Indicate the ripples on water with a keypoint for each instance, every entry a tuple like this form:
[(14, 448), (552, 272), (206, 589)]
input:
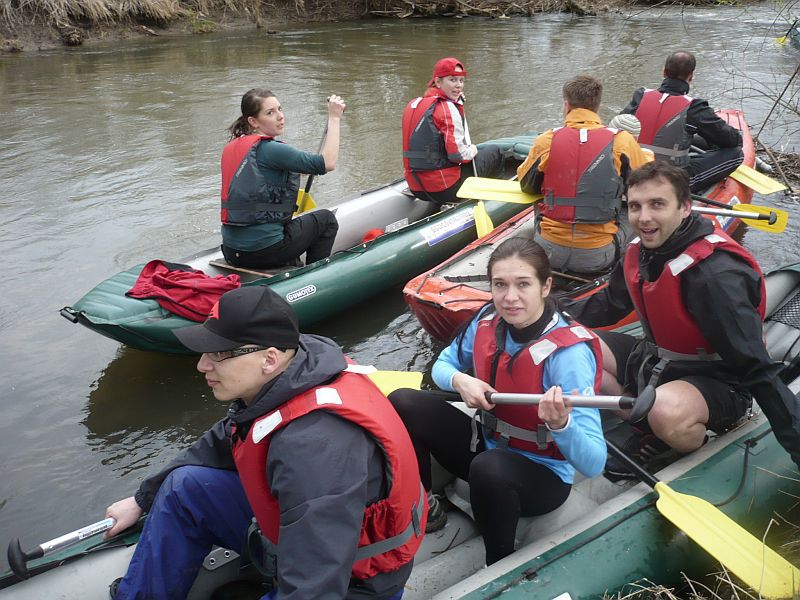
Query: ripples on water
[(109, 157)]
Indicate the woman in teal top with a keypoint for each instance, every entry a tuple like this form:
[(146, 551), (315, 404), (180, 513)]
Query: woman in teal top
[(260, 182)]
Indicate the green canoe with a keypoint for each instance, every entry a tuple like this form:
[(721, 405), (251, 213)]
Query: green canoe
[(605, 536), (415, 239)]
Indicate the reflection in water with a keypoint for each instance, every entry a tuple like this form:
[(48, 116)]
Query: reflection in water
[(109, 157)]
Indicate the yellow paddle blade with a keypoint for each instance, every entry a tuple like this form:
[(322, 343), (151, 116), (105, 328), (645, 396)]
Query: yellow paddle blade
[(304, 203), (783, 39), (499, 190), (483, 222), (389, 381), (779, 226), (743, 554), (757, 181)]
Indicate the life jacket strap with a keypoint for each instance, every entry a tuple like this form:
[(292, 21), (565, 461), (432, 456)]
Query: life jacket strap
[(541, 437), (414, 529)]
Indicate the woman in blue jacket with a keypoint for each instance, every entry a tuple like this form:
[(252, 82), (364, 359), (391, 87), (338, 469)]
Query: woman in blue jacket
[(521, 460)]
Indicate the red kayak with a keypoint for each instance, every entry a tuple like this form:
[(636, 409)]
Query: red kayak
[(449, 294)]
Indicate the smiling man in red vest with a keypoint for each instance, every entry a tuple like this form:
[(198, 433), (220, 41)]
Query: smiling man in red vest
[(310, 448), (580, 169), (700, 298), (669, 118)]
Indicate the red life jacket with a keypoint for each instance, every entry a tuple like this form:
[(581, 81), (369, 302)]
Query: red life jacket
[(402, 514), (526, 432), (581, 183), (247, 197), (663, 119), (425, 161), (659, 304)]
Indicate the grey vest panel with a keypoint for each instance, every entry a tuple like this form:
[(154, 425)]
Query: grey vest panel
[(252, 199)]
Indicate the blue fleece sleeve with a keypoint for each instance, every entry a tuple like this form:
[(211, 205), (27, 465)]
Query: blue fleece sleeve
[(581, 441), (452, 361)]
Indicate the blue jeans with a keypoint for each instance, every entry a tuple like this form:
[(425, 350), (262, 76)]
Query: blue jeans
[(195, 508)]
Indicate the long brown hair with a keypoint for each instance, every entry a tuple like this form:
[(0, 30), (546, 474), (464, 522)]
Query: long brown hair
[(251, 105)]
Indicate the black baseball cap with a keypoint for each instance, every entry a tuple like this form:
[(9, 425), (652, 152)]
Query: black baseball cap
[(246, 315)]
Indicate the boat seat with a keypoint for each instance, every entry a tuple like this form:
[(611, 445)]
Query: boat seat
[(222, 264)]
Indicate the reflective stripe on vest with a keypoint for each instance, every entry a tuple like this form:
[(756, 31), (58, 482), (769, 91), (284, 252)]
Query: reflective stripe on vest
[(525, 376), (393, 526), (247, 198), (581, 183), (663, 119), (660, 306)]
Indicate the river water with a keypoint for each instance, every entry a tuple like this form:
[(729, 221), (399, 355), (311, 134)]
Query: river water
[(109, 156)]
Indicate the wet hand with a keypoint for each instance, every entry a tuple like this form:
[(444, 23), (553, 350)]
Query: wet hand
[(336, 106), (473, 391), (553, 410), (126, 512)]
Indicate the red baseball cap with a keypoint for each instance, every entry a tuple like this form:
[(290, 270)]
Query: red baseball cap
[(448, 66)]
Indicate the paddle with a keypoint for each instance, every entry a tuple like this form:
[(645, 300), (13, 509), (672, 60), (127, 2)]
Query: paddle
[(18, 558), (751, 178), (503, 190), (760, 221), (304, 200), (638, 406), (483, 222), (739, 551), (775, 217), (499, 190), (784, 38)]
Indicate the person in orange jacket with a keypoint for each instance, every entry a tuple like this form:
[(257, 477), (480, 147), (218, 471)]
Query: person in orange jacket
[(581, 169)]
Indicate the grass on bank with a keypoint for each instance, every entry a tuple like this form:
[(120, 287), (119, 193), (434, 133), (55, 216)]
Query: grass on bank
[(17, 14)]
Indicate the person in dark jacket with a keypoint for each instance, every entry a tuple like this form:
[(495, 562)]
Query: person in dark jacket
[(701, 298), (672, 121), (309, 448)]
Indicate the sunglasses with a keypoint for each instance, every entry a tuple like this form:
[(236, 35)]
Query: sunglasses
[(226, 354)]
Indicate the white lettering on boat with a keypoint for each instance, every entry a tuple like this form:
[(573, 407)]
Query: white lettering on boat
[(301, 293), (396, 225), (449, 226)]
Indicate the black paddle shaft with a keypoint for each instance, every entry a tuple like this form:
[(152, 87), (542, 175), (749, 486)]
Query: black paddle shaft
[(631, 464), (310, 179)]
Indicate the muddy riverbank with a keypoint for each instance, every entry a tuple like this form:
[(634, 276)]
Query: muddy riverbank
[(47, 24)]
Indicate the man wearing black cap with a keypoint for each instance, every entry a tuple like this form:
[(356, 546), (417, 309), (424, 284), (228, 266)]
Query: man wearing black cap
[(309, 447)]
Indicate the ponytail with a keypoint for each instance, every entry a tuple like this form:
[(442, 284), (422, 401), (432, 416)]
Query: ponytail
[(250, 106)]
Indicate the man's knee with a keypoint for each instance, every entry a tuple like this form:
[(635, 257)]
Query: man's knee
[(679, 408)]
